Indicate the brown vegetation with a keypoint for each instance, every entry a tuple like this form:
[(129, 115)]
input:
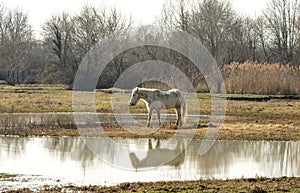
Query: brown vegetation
[(255, 78)]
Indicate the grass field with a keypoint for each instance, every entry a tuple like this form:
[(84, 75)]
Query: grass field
[(56, 98), (248, 117)]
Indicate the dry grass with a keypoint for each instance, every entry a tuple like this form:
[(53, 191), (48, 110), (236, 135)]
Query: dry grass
[(272, 119), (35, 98), (44, 98), (254, 78)]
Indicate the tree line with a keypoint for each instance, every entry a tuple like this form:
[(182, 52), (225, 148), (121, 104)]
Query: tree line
[(272, 37), (269, 38)]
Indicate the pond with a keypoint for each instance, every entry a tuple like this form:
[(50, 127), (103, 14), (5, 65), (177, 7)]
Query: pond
[(67, 160)]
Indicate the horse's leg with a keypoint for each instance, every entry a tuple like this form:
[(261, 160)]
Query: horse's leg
[(158, 143), (149, 144), (149, 116), (179, 122), (158, 117)]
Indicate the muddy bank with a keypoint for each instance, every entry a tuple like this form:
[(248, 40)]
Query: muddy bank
[(238, 185), (229, 131)]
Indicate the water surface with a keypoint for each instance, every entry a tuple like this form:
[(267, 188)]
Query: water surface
[(66, 160)]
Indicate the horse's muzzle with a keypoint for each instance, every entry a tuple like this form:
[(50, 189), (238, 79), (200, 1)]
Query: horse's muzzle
[(132, 104)]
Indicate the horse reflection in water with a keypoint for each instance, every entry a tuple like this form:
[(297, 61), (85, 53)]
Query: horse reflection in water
[(157, 100), (160, 156)]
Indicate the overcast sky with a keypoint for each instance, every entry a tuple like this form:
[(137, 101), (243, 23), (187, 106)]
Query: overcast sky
[(142, 11)]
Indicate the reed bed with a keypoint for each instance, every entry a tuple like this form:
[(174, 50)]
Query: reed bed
[(263, 79)]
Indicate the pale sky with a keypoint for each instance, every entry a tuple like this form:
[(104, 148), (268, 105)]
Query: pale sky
[(142, 11)]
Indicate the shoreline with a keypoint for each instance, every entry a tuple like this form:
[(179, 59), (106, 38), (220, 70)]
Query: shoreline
[(258, 184), (229, 131)]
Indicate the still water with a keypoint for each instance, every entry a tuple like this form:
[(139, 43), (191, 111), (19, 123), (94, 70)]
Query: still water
[(68, 160)]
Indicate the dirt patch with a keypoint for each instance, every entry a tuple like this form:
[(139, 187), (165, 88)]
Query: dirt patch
[(238, 185)]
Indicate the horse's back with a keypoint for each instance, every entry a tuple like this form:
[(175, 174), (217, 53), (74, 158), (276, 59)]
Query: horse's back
[(170, 98), (176, 91)]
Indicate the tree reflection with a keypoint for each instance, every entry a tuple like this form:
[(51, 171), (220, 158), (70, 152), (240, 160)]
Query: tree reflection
[(272, 157), (11, 146), (69, 147)]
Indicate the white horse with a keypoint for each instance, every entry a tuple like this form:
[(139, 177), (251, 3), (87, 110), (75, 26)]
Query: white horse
[(156, 100)]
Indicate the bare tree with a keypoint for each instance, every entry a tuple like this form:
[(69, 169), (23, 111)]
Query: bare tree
[(92, 25), (58, 37), (296, 58), (175, 15), (281, 17), (70, 38), (86, 29), (3, 22), (213, 22), (16, 36), (262, 43)]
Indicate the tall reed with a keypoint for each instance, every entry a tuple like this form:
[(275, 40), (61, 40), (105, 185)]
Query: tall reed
[(255, 78)]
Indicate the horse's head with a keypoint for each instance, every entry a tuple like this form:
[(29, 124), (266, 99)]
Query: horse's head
[(135, 97)]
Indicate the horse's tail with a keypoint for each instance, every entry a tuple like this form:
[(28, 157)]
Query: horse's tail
[(183, 110)]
